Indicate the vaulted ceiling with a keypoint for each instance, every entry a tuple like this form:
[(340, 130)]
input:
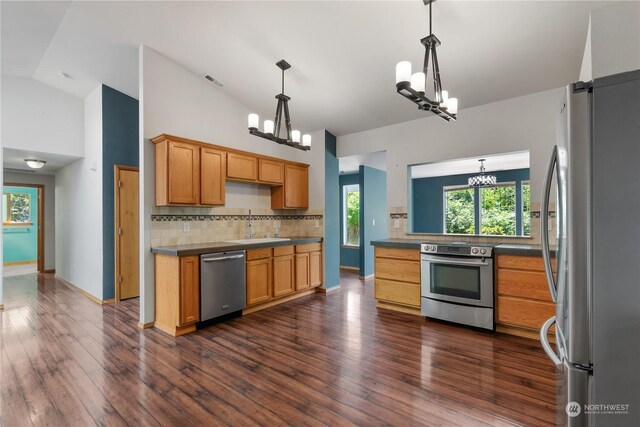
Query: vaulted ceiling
[(343, 53)]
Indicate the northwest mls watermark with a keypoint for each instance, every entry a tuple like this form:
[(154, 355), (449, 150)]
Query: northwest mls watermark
[(574, 409)]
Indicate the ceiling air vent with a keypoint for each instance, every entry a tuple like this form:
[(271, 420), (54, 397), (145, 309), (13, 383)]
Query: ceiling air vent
[(214, 81)]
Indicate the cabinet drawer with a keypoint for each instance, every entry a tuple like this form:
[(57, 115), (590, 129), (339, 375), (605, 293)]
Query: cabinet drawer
[(270, 171), (397, 292), (242, 167), (406, 254), (516, 262), (282, 250), (523, 284), (523, 313), (397, 269), (311, 247), (259, 253)]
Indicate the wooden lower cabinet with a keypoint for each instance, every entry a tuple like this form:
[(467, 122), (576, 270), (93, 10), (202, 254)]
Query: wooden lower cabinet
[(397, 279), (523, 302), (282, 273), (259, 279), (177, 293)]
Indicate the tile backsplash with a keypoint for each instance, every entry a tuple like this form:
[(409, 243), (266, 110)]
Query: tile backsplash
[(180, 226), (399, 214)]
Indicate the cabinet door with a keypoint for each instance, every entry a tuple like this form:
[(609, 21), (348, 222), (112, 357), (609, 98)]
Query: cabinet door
[(189, 290), (315, 268), (212, 176), (183, 170), (296, 186), (302, 271), (270, 171), (258, 281), (241, 167), (283, 277)]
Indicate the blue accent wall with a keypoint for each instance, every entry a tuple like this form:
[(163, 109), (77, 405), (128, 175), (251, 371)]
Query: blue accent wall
[(20, 242), (373, 209), (349, 255), (428, 198), (331, 213), (120, 133)]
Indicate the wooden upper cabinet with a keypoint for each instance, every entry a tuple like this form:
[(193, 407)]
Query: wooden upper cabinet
[(294, 194), (270, 171), (183, 173), (213, 168), (189, 290), (242, 167)]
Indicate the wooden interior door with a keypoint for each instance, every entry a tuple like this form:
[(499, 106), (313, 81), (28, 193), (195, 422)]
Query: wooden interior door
[(127, 230)]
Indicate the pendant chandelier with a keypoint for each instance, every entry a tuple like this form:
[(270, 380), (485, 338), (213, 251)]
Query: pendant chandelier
[(271, 129), (482, 180), (414, 86)]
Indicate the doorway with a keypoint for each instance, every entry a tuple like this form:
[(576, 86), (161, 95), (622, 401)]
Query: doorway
[(22, 228), (127, 232)]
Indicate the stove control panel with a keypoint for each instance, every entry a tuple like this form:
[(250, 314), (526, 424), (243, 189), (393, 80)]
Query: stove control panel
[(462, 250)]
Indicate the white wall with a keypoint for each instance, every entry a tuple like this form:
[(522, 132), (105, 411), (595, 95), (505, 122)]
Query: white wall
[(79, 207), (615, 38), (523, 123), (175, 101), (49, 210), (585, 68), (39, 118)]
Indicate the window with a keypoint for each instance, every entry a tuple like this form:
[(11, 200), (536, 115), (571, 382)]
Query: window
[(459, 210), (16, 208), (498, 210), (526, 208), (351, 214)]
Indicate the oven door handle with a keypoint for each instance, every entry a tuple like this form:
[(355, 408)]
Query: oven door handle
[(477, 264)]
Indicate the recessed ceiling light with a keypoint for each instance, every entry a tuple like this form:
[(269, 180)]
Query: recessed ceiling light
[(214, 81), (63, 75), (35, 164)]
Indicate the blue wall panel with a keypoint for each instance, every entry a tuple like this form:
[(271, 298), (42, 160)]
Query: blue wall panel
[(20, 242), (331, 214), (373, 209), (120, 133), (428, 198)]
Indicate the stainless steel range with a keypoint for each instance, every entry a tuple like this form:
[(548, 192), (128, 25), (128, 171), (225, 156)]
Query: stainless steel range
[(457, 283)]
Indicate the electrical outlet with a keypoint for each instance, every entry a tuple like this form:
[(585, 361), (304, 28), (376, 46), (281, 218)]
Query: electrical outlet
[(316, 224), (186, 227), (396, 223)]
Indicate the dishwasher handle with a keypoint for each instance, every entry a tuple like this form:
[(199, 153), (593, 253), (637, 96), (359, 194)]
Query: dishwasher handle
[(224, 258)]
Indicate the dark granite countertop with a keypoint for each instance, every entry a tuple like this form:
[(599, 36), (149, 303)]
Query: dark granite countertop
[(398, 243), (205, 248)]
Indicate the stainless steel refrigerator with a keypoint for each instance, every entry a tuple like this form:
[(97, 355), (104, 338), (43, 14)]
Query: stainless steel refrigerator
[(595, 175)]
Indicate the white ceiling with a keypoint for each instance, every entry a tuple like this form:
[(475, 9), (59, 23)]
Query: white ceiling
[(377, 160), (493, 163), (14, 159), (343, 53)]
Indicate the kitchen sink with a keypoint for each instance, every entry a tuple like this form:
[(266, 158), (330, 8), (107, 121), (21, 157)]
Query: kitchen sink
[(263, 240)]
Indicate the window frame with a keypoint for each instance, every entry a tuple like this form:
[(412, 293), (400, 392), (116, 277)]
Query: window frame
[(444, 208), (345, 232), (9, 222)]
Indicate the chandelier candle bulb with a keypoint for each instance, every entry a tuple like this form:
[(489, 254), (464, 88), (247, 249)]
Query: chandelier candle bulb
[(306, 140), (268, 126), (254, 121), (445, 98), (403, 72), (418, 82), (295, 136), (452, 106)]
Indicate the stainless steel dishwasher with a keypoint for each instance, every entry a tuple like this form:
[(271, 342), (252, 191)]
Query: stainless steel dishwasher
[(222, 285)]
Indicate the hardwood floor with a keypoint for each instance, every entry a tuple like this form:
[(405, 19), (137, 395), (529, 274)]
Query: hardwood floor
[(321, 360)]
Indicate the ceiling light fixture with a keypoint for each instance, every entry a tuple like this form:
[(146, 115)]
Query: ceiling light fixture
[(482, 180), (35, 164), (414, 86), (271, 129)]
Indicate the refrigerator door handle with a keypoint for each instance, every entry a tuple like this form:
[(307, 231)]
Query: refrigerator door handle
[(544, 226), (544, 340)]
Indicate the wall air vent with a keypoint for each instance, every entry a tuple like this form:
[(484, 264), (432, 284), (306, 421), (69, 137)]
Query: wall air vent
[(214, 81)]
